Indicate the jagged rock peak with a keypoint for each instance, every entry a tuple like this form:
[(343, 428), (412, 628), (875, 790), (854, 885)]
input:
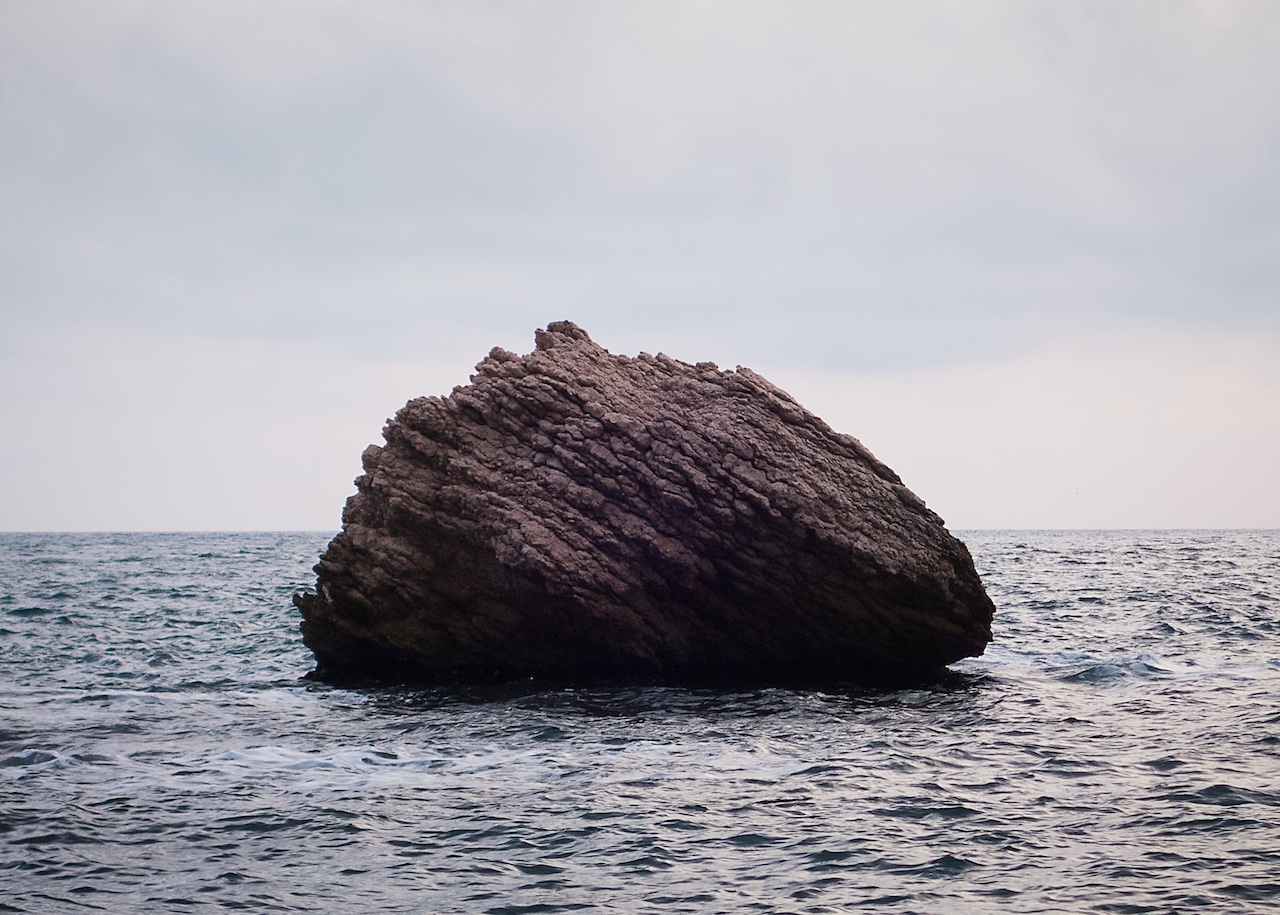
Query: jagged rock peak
[(573, 513)]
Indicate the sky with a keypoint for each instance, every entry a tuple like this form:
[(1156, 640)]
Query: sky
[(1027, 252)]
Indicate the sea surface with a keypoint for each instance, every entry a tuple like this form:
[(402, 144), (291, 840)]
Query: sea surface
[(1117, 749)]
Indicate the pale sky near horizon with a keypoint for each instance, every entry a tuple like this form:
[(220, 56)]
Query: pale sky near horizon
[(1027, 252)]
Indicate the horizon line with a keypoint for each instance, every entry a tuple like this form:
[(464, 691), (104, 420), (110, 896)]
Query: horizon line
[(976, 530)]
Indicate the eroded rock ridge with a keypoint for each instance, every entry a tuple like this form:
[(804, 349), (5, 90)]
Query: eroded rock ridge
[(573, 513)]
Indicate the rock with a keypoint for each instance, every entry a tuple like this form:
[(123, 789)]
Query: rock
[(576, 514)]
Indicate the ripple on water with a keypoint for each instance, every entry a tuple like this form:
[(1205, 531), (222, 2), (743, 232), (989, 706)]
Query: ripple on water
[(1116, 749)]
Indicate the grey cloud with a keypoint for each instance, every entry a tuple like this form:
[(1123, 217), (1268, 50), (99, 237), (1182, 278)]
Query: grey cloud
[(851, 185)]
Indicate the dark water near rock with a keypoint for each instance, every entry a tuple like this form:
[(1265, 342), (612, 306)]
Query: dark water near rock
[(1116, 750)]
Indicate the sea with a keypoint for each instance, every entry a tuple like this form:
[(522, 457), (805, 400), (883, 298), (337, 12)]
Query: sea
[(1117, 749)]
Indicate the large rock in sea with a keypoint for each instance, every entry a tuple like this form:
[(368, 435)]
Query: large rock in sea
[(576, 514)]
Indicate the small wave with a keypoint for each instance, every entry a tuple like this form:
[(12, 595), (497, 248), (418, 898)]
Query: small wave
[(752, 840), (350, 759), (1106, 672), (32, 611), (945, 866), (1096, 673), (926, 811), (1222, 795), (28, 758)]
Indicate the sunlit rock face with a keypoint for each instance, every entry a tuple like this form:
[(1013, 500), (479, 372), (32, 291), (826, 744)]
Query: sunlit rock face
[(576, 514)]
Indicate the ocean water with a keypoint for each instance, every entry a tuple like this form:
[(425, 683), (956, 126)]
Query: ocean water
[(1116, 750)]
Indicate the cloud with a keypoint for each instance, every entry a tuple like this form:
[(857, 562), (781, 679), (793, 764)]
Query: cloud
[(905, 184), (938, 197)]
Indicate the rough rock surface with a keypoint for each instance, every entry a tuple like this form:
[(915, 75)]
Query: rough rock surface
[(573, 513)]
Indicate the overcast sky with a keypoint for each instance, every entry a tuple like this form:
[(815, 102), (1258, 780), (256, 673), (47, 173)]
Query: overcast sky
[(1028, 252)]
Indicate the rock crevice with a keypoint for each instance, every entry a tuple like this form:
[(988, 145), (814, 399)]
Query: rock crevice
[(574, 513)]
